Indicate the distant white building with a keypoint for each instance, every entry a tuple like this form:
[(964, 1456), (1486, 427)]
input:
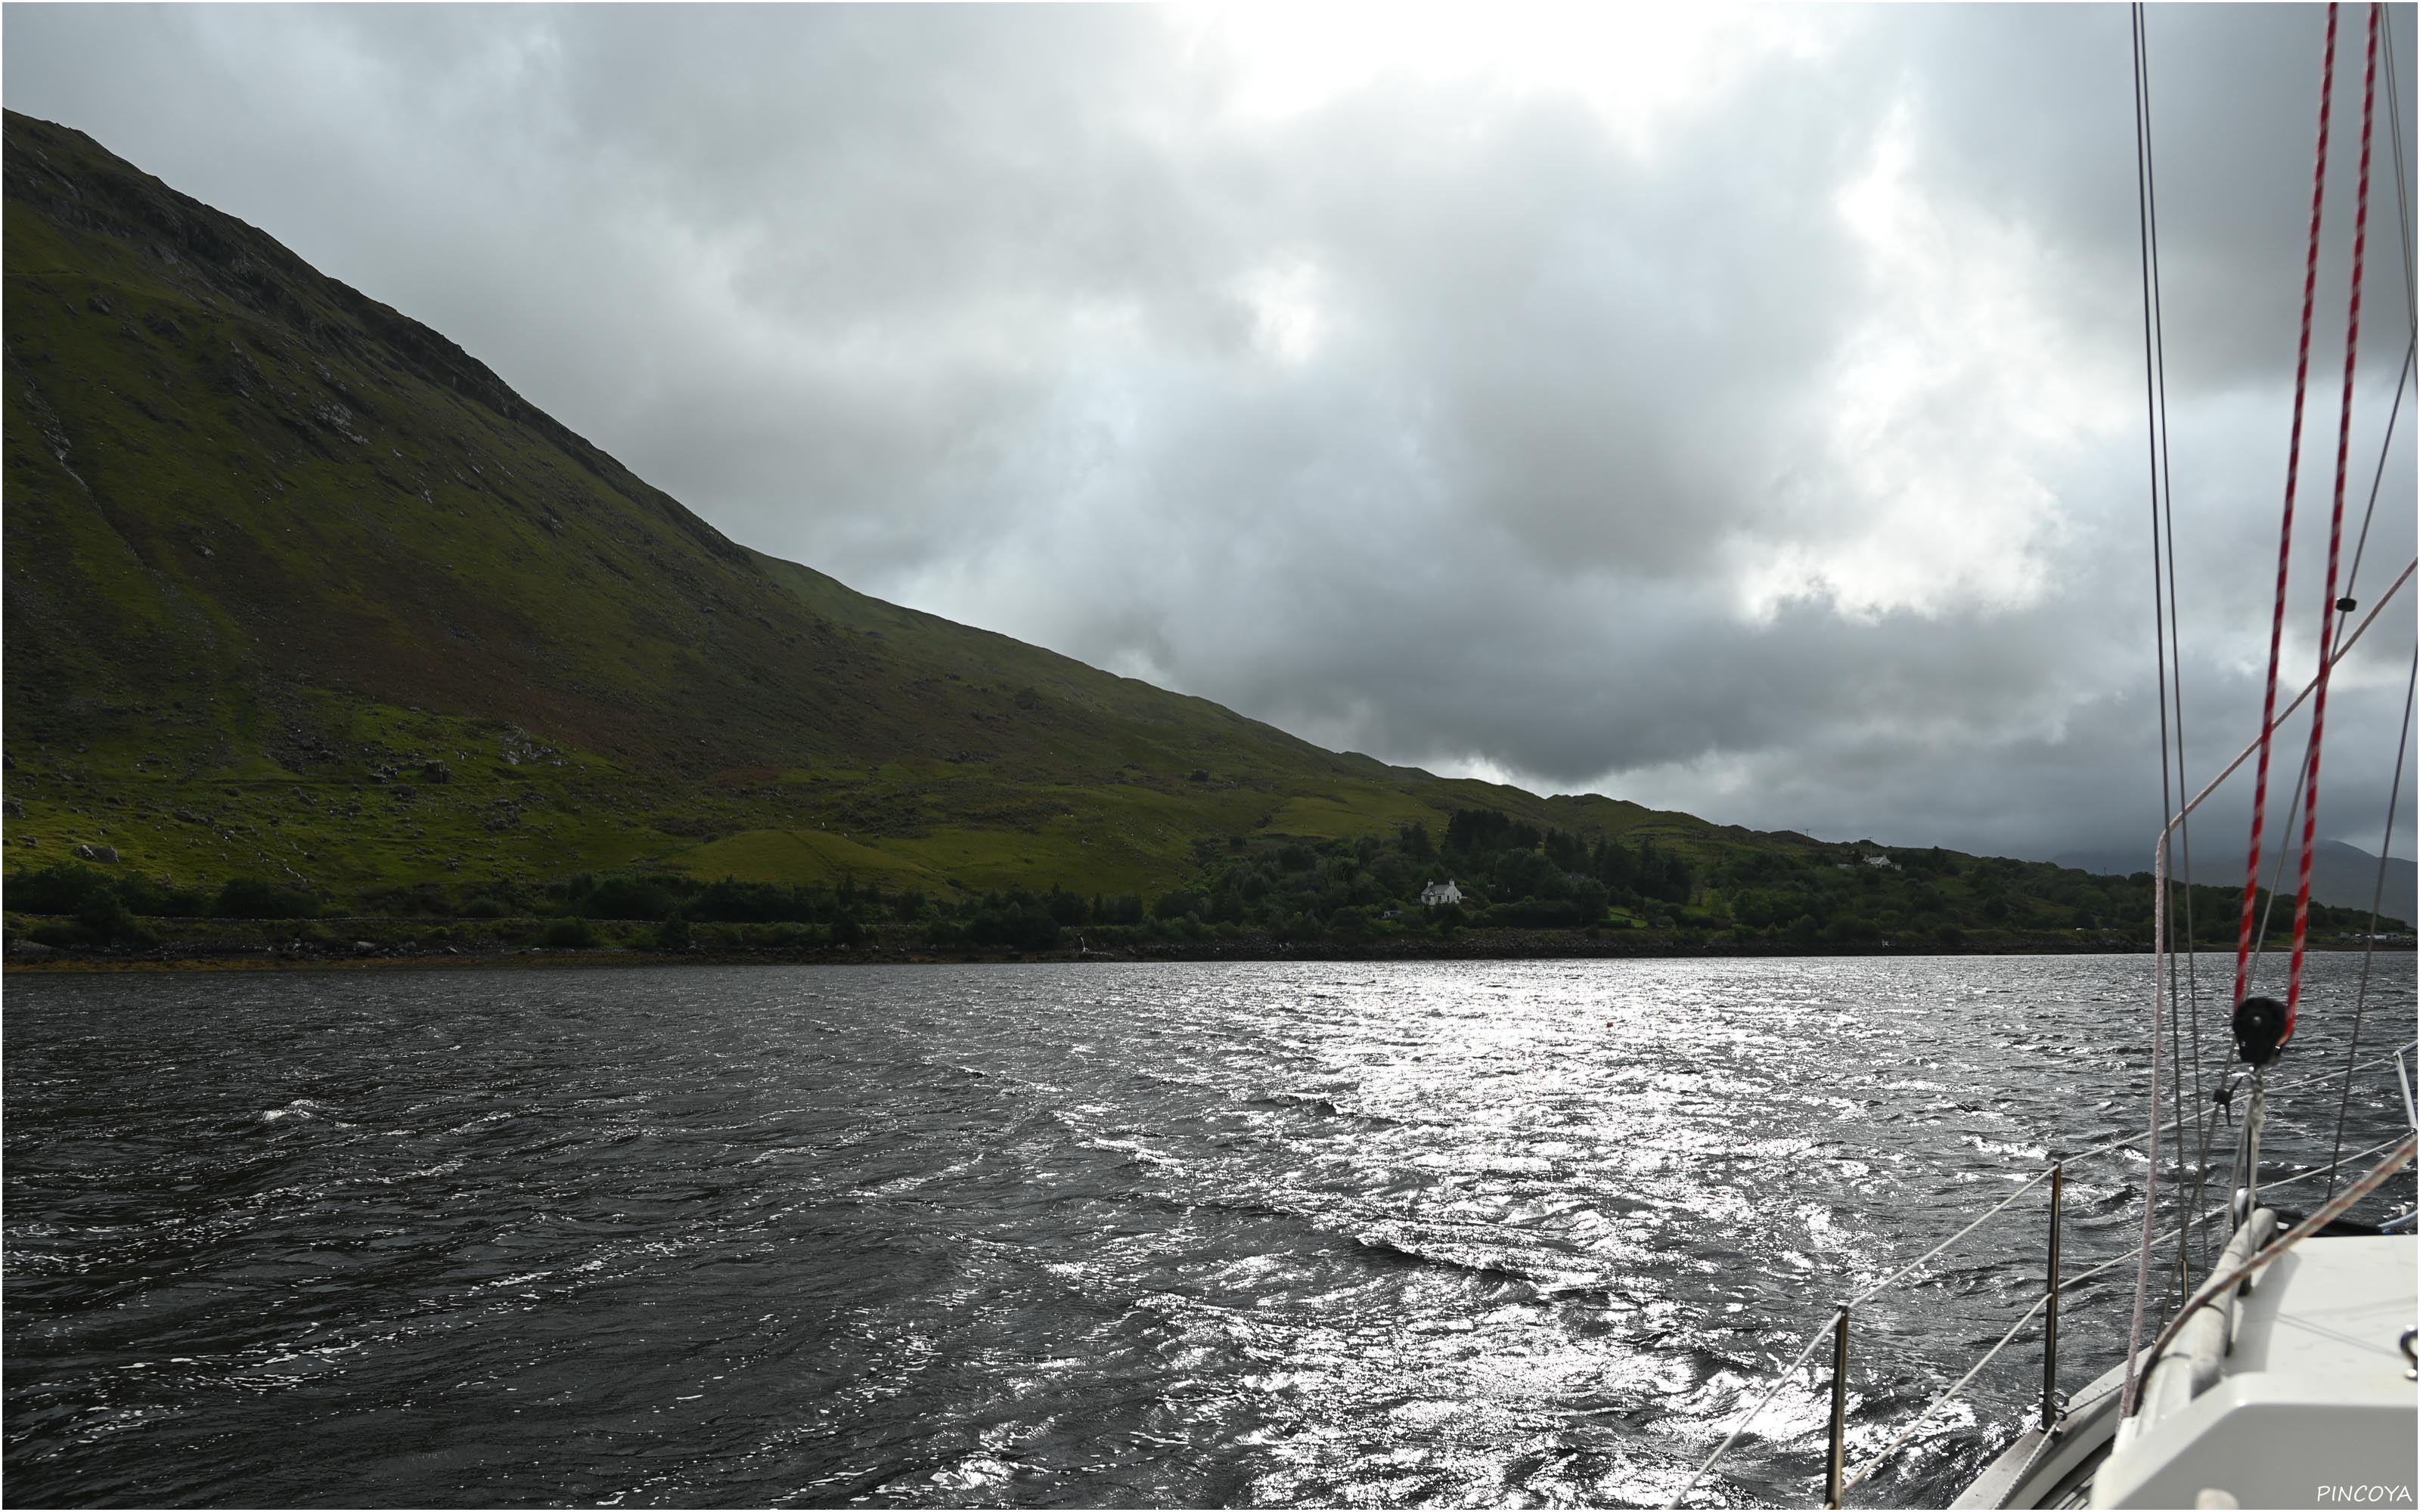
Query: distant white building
[(1883, 861), (1437, 894)]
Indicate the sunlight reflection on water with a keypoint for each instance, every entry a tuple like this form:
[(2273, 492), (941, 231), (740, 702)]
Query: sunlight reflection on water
[(1487, 1232)]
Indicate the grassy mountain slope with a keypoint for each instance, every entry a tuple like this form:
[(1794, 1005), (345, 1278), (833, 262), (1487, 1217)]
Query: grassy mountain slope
[(297, 588)]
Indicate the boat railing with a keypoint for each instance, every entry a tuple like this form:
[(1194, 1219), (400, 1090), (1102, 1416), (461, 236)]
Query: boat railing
[(1839, 1479)]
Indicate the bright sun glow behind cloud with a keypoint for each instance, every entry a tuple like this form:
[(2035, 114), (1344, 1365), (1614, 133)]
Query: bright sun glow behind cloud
[(1926, 476), (1947, 417), (1289, 317), (1633, 64)]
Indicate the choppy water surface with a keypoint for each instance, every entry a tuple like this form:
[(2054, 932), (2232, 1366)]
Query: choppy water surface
[(1359, 1234)]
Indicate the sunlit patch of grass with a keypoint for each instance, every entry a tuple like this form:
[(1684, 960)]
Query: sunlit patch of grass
[(798, 856), (1349, 814)]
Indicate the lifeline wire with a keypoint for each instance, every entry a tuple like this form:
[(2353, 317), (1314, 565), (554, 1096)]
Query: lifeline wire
[(2150, 1240), (2159, 905), (2328, 1170), (1816, 1338), (1772, 1391), (1935, 1405), (2069, 1285), (2311, 1223)]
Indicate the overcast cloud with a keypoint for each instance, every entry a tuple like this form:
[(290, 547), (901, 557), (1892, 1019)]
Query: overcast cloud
[(1734, 411)]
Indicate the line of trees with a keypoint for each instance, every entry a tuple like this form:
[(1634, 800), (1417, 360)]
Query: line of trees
[(1842, 895), (107, 910), (1511, 874)]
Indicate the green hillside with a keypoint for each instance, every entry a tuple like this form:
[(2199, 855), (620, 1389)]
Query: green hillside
[(307, 612), (297, 588)]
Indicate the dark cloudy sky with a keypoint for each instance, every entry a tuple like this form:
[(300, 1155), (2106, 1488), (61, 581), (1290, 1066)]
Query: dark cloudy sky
[(1735, 411)]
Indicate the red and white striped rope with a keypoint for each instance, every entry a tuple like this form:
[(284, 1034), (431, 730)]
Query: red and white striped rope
[(2336, 529), (2286, 524)]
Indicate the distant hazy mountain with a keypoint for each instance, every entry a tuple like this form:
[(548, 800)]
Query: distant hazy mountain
[(2344, 875)]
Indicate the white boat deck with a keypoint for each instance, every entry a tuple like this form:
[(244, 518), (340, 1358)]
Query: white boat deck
[(2313, 1407)]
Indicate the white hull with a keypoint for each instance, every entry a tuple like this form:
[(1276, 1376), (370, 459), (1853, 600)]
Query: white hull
[(2300, 1394)]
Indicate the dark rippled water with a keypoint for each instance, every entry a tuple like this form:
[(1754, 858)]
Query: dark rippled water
[(1132, 1235)]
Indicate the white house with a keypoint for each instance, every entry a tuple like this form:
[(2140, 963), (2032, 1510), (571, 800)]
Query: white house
[(1437, 894)]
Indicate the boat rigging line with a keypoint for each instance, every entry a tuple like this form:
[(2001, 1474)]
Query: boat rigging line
[(2159, 904), (2335, 1208), (2285, 526), (2378, 476), (2402, 196), (2394, 417), (2377, 896), (2339, 634), (2412, 679), (1790, 1371), (2160, 852), (2328, 607), (2165, 638), (2276, 635)]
